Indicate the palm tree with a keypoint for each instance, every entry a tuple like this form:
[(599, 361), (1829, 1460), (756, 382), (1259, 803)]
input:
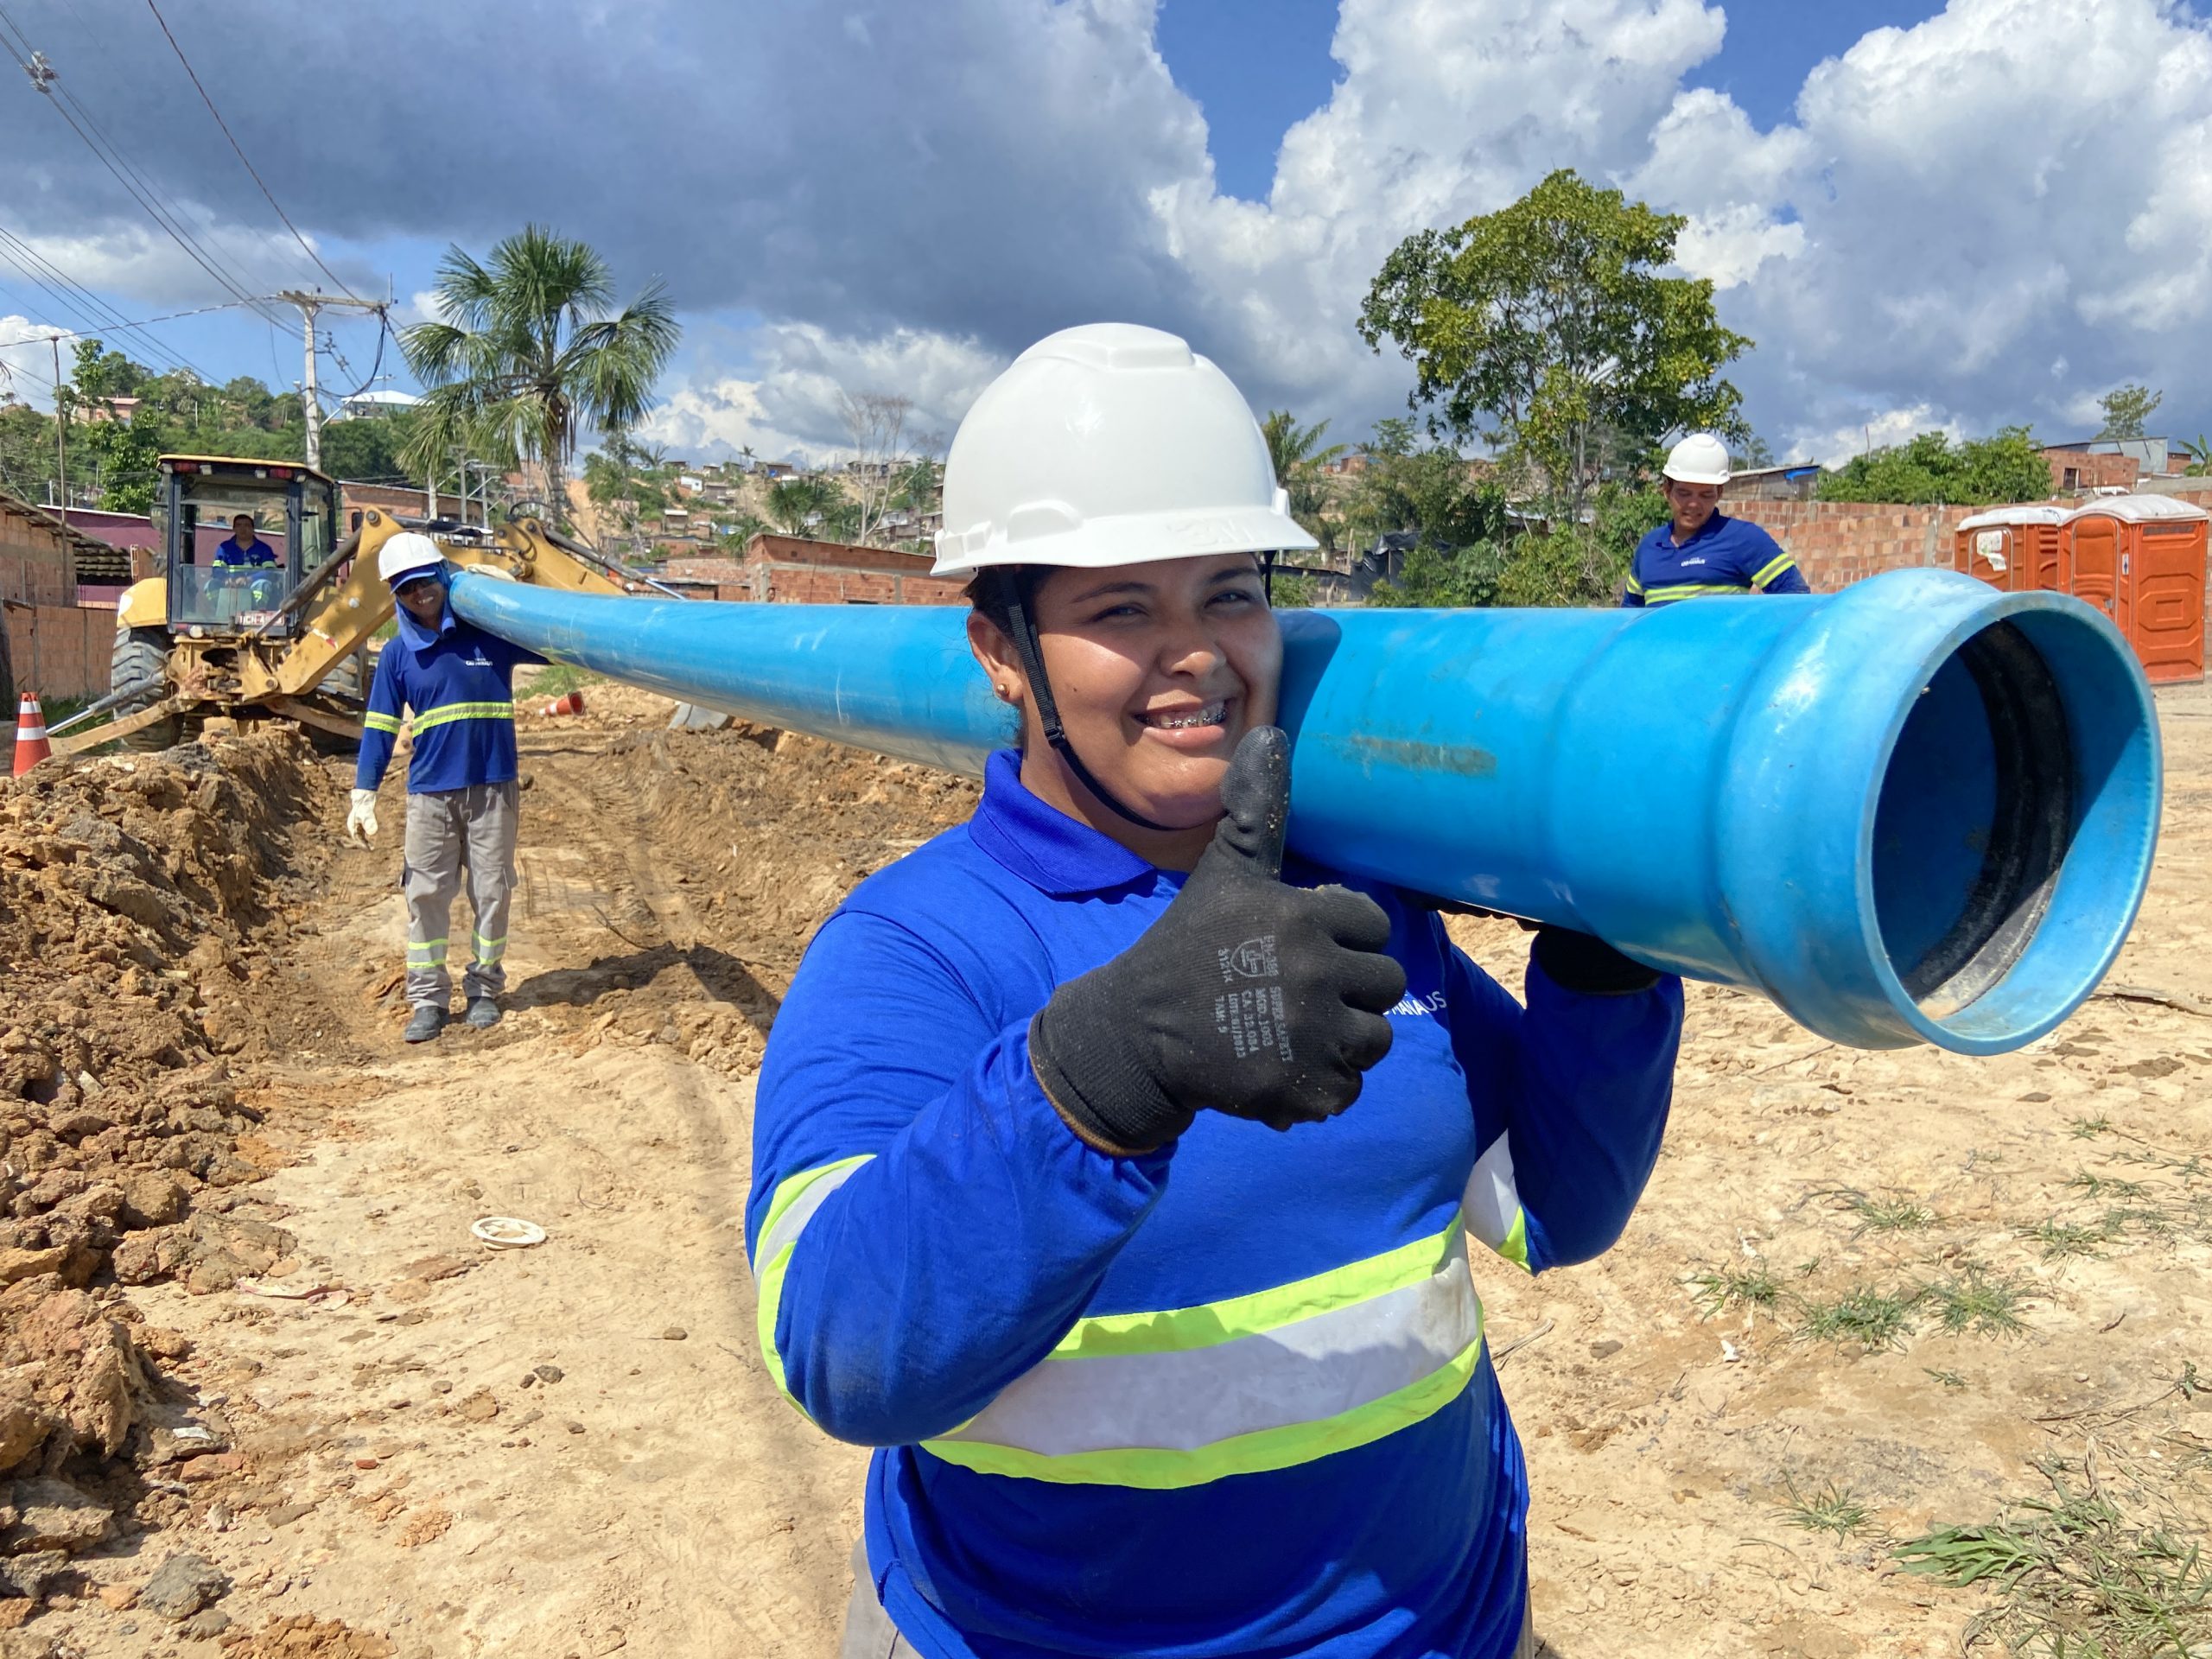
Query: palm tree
[(1299, 458), (530, 353)]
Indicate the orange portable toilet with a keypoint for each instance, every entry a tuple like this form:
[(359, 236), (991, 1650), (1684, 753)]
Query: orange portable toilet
[(2012, 548), (2140, 559)]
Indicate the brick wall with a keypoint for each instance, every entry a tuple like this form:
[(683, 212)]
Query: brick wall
[(813, 584), (35, 565), (2078, 469), (793, 570), (60, 651), (1837, 543)]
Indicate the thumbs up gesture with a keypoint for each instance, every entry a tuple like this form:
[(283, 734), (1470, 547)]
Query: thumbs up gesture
[(1246, 996)]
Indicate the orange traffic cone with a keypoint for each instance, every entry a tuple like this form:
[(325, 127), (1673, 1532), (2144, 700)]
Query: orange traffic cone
[(571, 704), (31, 746)]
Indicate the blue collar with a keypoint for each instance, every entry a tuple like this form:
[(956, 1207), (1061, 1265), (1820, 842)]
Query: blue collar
[(1711, 527), (1041, 844)]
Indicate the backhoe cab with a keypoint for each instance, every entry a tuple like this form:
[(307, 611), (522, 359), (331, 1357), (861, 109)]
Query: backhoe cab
[(207, 593), (278, 625)]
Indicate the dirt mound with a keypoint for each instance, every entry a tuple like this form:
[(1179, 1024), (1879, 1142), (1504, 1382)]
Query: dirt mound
[(135, 897), (691, 869)]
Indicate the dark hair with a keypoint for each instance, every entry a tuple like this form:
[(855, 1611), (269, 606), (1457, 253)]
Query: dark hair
[(246, 516), (991, 592)]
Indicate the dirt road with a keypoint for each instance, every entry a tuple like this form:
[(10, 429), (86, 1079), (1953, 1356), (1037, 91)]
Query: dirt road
[(1867, 1296)]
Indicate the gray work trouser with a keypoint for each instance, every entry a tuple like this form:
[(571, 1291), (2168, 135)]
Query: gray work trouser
[(456, 830), (869, 1633)]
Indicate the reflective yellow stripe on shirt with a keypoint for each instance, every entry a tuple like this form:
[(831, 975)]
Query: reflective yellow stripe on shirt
[(1267, 1381), (1185, 1395), (377, 722), (1773, 568), (1691, 590), (796, 1200), (452, 711)]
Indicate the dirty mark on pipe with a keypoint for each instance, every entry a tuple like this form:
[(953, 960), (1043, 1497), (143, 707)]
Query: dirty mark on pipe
[(1463, 759)]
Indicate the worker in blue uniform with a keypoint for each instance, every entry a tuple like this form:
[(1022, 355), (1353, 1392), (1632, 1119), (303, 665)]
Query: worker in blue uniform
[(246, 550), (1700, 551), (1114, 1173), (463, 796)]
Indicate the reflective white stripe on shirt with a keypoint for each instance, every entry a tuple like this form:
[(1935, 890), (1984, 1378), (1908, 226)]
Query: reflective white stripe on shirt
[(1308, 1370), (1493, 1203), (787, 1226)]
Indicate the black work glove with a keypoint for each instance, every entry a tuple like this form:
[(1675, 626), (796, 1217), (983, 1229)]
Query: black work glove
[(1573, 961), (1246, 996)]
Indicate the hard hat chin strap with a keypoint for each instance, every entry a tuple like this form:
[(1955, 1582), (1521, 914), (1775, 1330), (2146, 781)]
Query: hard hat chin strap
[(1015, 589)]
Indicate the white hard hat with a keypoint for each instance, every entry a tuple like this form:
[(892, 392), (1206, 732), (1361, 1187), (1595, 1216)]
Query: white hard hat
[(1699, 459), (408, 550), (1109, 444)]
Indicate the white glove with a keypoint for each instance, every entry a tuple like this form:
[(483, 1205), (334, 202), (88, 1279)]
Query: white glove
[(361, 822)]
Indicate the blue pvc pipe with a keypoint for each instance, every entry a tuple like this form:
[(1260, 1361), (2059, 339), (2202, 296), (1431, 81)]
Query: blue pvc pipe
[(1917, 811)]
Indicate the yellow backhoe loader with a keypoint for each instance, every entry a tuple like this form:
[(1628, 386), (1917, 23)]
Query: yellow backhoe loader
[(228, 635)]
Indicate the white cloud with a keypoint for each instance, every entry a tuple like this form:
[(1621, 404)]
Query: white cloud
[(785, 406), (26, 360), (1876, 429), (1949, 210)]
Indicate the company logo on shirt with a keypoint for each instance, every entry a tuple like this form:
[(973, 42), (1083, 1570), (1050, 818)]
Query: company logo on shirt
[(1696, 561), (1433, 1004), (480, 660)]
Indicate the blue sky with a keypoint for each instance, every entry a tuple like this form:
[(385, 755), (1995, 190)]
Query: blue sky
[(1256, 67), (1959, 216)]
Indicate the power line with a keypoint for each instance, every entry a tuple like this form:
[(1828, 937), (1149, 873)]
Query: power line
[(73, 297), (248, 165), (174, 207), (42, 76)]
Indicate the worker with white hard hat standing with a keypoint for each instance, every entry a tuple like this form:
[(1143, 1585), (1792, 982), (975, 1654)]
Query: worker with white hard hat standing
[(462, 795), (1700, 551), (1113, 1171)]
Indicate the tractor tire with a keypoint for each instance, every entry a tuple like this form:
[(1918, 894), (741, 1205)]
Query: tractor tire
[(140, 661)]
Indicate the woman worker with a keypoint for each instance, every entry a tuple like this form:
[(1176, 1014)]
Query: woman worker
[(1112, 1174)]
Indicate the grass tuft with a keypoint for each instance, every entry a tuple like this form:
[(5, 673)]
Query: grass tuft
[(1831, 1508), (1718, 1289), (2074, 1579), (1976, 1300), (1872, 1318), (2063, 1239), (1887, 1212)]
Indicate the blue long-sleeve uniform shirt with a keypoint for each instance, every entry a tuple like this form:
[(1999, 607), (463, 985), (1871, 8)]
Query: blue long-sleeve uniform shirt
[(460, 682), (230, 555), (1726, 555), (967, 1235)]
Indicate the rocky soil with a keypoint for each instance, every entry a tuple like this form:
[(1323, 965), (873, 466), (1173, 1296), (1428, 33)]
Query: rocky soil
[(263, 1394)]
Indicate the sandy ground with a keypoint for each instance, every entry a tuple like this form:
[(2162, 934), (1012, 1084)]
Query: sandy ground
[(573, 1450)]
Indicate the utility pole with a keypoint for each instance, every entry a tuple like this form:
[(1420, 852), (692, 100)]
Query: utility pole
[(61, 443), (309, 304)]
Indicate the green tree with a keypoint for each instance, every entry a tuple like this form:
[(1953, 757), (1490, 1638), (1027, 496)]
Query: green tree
[(1548, 328), (811, 505), (127, 453), (2127, 411), (2009, 466), (531, 351), (101, 376)]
